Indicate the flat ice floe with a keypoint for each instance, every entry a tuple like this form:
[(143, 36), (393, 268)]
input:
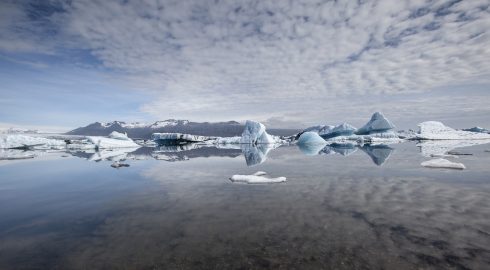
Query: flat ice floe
[(9, 141), (256, 178), (433, 130), (443, 163), (114, 140)]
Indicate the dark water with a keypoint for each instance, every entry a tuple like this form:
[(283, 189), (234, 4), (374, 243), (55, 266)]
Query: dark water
[(372, 209)]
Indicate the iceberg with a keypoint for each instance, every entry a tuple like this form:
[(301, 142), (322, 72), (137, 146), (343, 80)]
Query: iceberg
[(255, 133), (477, 129), (114, 140), (433, 130), (311, 138), (377, 125), (442, 163), (377, 130), (177, 138), (310, 143), (18, 141), (257, 178)]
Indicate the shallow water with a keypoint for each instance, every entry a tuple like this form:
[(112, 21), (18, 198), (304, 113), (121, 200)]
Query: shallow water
[(375, 208)]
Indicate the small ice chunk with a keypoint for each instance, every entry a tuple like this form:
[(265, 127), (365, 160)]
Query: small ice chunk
[(442, 163), (256, 178)]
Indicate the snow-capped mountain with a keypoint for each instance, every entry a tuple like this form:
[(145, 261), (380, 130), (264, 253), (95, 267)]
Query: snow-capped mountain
[(145, 130)]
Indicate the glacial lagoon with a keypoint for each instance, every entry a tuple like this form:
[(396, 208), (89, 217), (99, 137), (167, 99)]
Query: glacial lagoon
[(341, 207)]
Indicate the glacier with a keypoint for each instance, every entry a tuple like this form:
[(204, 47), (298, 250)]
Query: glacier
[(434, 130)]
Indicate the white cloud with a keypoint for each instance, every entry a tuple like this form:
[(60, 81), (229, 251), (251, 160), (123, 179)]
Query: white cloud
[(246, 59)]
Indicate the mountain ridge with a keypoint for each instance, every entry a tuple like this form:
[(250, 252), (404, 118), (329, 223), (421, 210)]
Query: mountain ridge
[(142, 130)]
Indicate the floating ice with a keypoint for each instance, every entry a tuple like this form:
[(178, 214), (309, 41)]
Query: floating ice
[(177, 138), (433, 130), (10, 141), (254, 133), (442, 163), (343, 129), (117, 140), (311, 138), (377, 124), (477, 129), (256, 178)]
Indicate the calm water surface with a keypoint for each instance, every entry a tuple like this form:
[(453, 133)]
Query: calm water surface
[(375, 208)]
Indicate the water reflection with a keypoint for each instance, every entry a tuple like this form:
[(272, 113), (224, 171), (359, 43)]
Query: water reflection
[(378, 153), (253, 154)]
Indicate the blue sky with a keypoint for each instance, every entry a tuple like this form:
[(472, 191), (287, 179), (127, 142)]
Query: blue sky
[(64, 64)]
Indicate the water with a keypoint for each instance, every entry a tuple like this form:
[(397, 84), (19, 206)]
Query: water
[(375, 208)]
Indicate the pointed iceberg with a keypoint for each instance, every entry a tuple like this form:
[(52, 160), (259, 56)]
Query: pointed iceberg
[(377, 124), (254, 133)]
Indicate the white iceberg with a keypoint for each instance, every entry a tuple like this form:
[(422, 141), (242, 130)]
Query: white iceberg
[(311, 138), (343, 129), (255, 133), (310, 143), (442, 163), (257, 178), (115, 140), (433, 130), (112, 154), (12, 141), (377, 124)]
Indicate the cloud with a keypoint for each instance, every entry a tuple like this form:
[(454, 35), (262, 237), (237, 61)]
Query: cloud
[(248, 59)]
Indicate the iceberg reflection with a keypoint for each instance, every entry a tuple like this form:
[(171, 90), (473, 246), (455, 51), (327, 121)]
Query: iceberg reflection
[(378, 153)]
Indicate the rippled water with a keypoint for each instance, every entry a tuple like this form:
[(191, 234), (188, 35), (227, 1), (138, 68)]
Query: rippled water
[(374, 208)]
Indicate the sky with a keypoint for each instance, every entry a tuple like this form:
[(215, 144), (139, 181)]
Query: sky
[(289, 64)]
